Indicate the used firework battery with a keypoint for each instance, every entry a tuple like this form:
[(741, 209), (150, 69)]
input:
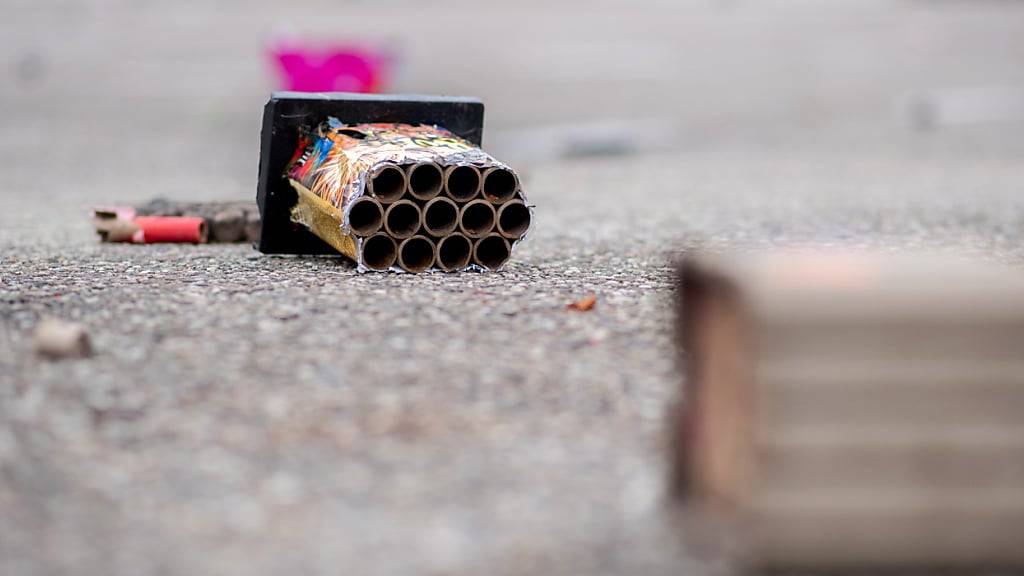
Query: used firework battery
[(394, 183)]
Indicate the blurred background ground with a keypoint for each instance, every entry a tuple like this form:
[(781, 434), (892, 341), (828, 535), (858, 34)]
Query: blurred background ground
[(256, 414)]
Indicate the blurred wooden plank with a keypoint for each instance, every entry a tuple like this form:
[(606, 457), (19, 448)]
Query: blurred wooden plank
[(893, 461), (931, 536), (857, 410), (895, 402)]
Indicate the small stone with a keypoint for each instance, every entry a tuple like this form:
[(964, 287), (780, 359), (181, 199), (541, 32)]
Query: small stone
[(56, 339), (228, 226), (252, 225)]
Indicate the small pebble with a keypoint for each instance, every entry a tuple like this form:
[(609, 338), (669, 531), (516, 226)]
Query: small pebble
[(228, 226), (56, 339)]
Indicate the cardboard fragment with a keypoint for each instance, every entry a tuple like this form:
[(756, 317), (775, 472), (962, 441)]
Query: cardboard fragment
[(584, 304)]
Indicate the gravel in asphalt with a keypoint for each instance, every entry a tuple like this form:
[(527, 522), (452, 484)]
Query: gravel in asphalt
[(253, 414)]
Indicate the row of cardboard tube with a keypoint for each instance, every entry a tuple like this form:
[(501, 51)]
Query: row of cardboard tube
[(422, 215), (449, 253)]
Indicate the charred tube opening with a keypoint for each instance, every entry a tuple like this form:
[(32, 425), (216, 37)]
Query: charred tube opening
[(203, 233), (513, 219), (425, 180), (454, 252), (440, 216), (365, 216), (500, 184), (387, 183), (379, 252), (416, 254), (462, 183), (491, 252), (476, 219), (402, 219)]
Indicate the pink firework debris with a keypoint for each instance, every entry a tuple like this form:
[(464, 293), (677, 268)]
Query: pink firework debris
[(329, 68)]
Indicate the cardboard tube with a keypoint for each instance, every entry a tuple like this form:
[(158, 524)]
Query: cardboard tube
[(491, 252), (403, 219), (476, 219), (153, 229), (425, 180), (416, 254), (454, 252), (513, 219), (379, 252), (387, 183), (440, 216), (462, 183), (499, 184), (365, 216)]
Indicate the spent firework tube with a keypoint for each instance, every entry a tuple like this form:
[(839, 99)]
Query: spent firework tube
[(357, 182), (181, 229), (122, 225)]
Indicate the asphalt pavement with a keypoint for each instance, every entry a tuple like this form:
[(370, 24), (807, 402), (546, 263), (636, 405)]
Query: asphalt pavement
[(262, 414), (256, 414)]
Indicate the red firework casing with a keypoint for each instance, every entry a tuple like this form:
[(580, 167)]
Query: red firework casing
[(153, 229)]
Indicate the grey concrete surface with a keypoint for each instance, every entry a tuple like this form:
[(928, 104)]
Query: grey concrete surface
[(266, 415)]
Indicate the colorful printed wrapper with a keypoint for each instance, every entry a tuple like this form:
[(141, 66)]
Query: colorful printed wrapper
[(334, 162)]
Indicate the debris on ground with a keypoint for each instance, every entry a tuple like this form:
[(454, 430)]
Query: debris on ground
[(122, 225), (584, 304), (56, 339), (316, 67), (162, 220), (228, 226)]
